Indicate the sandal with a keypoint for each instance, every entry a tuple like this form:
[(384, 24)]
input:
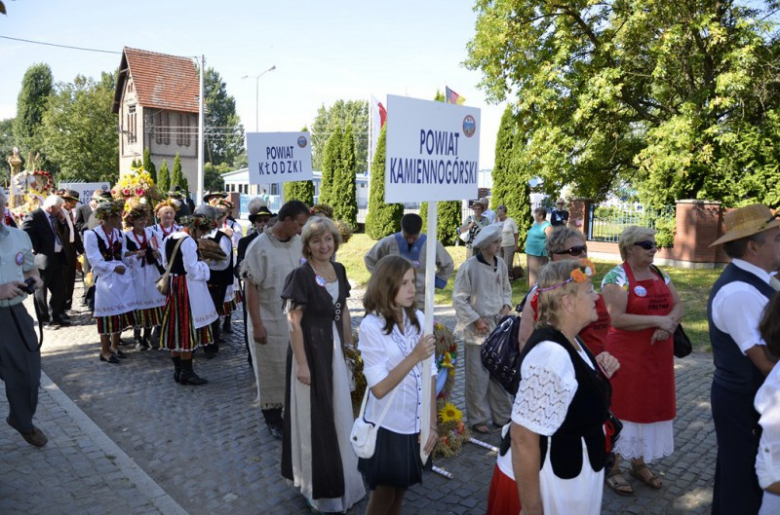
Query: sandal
[(617, 483), (481, 428), (643, 473)]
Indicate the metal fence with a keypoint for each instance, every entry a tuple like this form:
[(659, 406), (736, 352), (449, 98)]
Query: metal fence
[(608, 222)]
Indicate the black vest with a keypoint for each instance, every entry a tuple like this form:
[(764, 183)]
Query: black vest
[(223, 277), (585, 418), (177, 268), (733, 370)]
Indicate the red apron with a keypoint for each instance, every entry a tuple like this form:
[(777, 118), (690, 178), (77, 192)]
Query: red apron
[(643, 387), (594, 334)]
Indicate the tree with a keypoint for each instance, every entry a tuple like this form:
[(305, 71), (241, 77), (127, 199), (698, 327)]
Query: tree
[(344, 191), (224, 132), (31, 104), (80, 130), (382, 219), (674, 97), (339, 115), (177, 177), (330, 165), (6, 148), (300, 190), (212, 176), (510, 176), (149, 165), (163, 179), (449, 214)]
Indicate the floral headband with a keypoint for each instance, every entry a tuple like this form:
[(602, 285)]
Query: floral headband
[(199, 222), (582, 273), (106, 210), (164, 203)]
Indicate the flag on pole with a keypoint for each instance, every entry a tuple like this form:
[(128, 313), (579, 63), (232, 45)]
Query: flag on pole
[(450, 97), (378, 120)]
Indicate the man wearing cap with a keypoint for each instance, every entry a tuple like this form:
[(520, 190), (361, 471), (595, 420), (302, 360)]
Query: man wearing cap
[(177, 197), (736, 303), (482, 296), (410, 244), (20, 358), (72, 245)]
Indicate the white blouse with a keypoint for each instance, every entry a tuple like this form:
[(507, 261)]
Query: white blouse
[(547, 388), (381, 353), (766, 403)]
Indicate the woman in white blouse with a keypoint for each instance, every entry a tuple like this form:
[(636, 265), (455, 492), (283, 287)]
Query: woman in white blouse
[(563, 400), (393, 347), (768, 459)]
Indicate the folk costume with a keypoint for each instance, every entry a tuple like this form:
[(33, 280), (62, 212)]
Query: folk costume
[(647, 413), (160, 233), (233, 295), (268, 262), (564, 397), (481, 290), (114, 293), (145, 272), (316, 452), (220, 279), (395, 244), (188, 308)]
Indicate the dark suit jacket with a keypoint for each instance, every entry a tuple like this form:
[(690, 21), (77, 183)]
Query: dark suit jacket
[(82, 216), (36, 225), (243, 244)]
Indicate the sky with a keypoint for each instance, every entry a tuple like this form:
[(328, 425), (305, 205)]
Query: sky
[(323, 50)]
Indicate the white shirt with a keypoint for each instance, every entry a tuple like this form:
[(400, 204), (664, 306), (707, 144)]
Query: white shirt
[(227, 247), (738, 306), (381, 353), (768, 459)]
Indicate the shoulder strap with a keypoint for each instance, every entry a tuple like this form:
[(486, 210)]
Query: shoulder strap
[(173, 254), (384, 411)]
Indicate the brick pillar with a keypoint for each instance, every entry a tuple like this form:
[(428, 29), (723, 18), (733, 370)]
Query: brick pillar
[(698, 224), (579, 210)]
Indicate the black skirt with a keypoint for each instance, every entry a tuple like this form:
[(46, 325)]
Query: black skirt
[(396, 461)]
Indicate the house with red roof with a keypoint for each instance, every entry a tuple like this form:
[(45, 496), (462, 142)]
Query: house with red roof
[(156, 98)]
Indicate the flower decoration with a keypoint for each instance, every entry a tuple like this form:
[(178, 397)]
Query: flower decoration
[(449, 413)]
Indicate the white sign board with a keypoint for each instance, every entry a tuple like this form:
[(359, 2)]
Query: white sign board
[(432, 151), (85, 189), (276, 157)]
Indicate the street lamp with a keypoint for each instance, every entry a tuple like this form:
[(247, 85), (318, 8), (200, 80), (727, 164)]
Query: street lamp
[(257, 92)]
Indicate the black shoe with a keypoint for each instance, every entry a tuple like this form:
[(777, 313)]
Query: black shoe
[(113, 359), (119, 354), (227, 328), (143, 345), (64, 316), (190, 377), (61, 322), (275, 430)]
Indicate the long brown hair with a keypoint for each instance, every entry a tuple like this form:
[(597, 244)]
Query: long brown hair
[(383, 288), (770, 326)]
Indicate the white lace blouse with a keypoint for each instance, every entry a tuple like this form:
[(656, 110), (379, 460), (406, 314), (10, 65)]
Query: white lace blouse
[(547, 388)]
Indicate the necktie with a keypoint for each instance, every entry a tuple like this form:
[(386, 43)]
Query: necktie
[(53, 220)]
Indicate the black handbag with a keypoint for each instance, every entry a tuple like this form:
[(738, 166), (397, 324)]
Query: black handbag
[(500, 354), (682, 344)]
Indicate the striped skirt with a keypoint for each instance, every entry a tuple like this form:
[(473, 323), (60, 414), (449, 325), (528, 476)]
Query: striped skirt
[(115, 323), (148, 318), (178, 331)]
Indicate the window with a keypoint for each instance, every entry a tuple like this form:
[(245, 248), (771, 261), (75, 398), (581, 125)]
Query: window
[(183, 130), (158, 135), (166, 128), (132, 134)]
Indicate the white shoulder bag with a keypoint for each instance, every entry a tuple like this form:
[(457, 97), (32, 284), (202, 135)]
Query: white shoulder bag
[(363, 435)]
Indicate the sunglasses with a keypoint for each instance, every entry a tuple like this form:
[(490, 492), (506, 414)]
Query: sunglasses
[(575, 251), (647, 244)]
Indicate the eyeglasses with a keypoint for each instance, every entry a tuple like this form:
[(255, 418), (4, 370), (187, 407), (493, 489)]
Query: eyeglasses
[(647, 244), (575, 251)]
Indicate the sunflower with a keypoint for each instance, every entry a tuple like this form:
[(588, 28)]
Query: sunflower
[(449, 413)]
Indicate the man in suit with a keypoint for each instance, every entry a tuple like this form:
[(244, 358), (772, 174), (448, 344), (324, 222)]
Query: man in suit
[(47, 229), (84, 210), (72, 245)]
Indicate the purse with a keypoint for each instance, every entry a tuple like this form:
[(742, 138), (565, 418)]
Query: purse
[(500, 354), (164, 283), (682, 344), (363, 435)]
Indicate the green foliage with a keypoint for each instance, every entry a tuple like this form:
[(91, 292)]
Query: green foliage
[(31, 104), (225, 133), (665, 229), (679, 98), (344, 192), (339, 115), (149, 165), (80, 130), (300, 190), (185, 184), (212, 176), (163, 178), (449, 217), (6, 147), (330, 165), (382, 219), (177, 177)]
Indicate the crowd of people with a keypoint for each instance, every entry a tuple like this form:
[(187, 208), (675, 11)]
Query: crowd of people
[(596, 370)]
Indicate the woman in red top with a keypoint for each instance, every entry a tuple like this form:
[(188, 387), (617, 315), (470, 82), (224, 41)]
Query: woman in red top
[(644, 309)]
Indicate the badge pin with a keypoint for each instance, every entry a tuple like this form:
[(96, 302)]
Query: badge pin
[(640, 291), (320, 280), (416, 264), (303, 260), (20, 258)]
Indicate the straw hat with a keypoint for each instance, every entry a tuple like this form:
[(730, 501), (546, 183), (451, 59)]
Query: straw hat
[(487, 236), (747, 221)]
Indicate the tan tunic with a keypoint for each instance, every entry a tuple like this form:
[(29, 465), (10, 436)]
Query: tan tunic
[(480, 292), (267, 263)]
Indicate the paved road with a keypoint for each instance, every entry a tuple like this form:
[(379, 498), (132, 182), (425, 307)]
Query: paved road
[(132, 441)]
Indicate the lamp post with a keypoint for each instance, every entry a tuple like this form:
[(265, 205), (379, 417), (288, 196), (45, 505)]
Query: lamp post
[(257, 92)]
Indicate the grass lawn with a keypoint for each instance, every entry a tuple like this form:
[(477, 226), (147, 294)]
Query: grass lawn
[(693, 285)]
